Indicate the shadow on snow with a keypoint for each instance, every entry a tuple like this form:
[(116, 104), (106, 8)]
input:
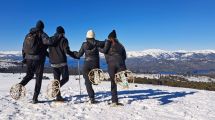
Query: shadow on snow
[(163, 97)]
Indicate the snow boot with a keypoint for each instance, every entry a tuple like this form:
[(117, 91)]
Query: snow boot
[(35, 101), (92, 101), (59, 98), (116, 104)]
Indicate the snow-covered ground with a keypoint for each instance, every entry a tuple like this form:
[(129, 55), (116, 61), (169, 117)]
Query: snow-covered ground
[(144, 102), (189, 78)]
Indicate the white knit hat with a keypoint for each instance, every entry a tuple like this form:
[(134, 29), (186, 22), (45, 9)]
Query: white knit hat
[(90, 34)]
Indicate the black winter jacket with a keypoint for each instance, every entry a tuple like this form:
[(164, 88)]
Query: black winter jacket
[(90, 49), (59, 49), (114, 52)]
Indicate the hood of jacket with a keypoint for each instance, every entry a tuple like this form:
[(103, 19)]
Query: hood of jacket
[(56, 39), (92, 41)]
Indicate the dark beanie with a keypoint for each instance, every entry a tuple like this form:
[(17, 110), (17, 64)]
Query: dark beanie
[(40, 25), (112, 34), (60, 30)]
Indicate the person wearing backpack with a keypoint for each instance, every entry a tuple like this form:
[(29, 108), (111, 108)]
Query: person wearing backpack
[(58, 58), (115, 56), (34, 53), (91, 61)]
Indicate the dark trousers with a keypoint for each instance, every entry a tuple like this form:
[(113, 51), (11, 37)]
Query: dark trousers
[(34, 67), (113, 68), (88, 66), (65, 75)]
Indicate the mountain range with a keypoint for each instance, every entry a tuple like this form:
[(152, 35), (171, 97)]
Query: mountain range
[(150, 61)]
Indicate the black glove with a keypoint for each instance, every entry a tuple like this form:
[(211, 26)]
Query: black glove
[(75, 54)]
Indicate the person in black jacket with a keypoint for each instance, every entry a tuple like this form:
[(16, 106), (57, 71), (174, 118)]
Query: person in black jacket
[(34, 54), (91, 61), (115, 55), (58, 58)]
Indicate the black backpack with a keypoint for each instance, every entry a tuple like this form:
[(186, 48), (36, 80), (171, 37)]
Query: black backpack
[(32, 44)]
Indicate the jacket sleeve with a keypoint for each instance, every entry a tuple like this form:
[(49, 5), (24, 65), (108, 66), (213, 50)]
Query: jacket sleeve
[(124, 55), (23, 47), (100, 43), (106, 47), (23, 52), (67, 50), (47, 40), (81, 51)]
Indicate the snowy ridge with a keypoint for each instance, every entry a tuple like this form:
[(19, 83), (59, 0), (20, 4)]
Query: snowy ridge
[(154, 53), (5, 54), (158, 53), (10, 52), (7, 58)]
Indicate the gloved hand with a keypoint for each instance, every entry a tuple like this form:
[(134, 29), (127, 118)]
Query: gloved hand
[(75, 54)]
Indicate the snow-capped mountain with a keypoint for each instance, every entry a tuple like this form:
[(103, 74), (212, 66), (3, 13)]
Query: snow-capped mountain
[(9, 58), (151, 60), (153, 53), (10, 52), (171, 55), (10, 55)]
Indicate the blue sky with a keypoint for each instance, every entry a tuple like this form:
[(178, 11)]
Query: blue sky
[(140, 24)]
